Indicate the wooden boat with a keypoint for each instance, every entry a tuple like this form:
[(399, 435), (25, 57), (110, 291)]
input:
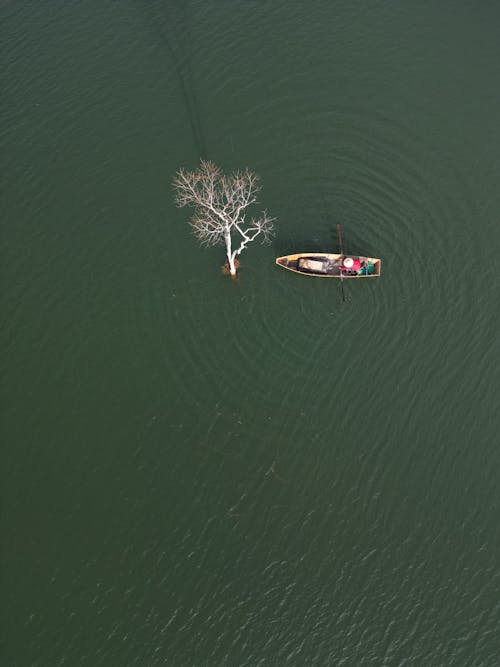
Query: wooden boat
[(327, 265)]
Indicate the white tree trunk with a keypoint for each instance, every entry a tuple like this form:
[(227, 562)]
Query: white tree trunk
[(230, 254)]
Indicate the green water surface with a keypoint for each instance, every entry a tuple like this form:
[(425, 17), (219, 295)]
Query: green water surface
[(205, 472)]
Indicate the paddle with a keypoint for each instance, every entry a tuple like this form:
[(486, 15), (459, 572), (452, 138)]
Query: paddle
[(341, 246)]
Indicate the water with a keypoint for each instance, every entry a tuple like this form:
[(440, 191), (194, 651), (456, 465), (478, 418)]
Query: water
[(202, 472)]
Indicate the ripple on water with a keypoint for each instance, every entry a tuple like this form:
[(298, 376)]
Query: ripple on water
[(380, 181)]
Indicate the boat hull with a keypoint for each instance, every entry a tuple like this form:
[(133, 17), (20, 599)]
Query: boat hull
[(329, 265)]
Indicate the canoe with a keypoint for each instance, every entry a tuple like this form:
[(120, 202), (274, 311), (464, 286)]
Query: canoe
[(328, 265)]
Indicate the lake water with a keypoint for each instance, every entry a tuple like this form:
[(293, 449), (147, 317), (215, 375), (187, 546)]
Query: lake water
[(198, 471)]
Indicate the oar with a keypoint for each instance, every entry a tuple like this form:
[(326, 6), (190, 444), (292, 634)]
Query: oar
[(341, 246)]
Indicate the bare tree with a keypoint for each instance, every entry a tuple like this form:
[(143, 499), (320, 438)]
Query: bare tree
[(220, 204)]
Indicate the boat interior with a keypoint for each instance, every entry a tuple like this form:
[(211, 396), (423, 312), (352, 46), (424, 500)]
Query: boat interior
[(328, 265)]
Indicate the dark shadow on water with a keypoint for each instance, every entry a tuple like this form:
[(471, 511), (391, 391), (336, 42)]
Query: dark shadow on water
[(170, 23)]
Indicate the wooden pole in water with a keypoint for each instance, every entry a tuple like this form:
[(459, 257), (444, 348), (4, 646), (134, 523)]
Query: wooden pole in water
[(341, 248)]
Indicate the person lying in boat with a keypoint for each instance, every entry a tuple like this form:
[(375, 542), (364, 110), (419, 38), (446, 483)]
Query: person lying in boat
[(313, 265)]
